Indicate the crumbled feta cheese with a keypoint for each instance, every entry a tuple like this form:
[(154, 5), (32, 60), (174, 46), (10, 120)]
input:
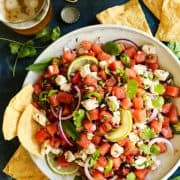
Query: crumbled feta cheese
[(40, 118), (148, 102), (81, 155), (90, 104), (80, 163), (152, 88), (113, 103), (160, 117), (82, 51), (85, 70), (60, 80), (140, 125), (102, 64), (100, 168), (90, 136), (139, 143), (161, 74), (116, 150), (90, 149), (140, 69), (147, 83), (133, 137), (149, 49), (66, 87), (116, 118), (140, 162), (69, 156)]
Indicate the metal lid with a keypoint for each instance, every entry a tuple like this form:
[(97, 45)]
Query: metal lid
[(70, 14)]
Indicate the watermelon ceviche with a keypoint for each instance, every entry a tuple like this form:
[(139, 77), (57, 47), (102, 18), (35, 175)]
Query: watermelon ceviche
[(106, 111)]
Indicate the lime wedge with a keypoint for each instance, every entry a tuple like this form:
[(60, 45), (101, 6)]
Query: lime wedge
[(64, 171), (123, 130), (79, 62)]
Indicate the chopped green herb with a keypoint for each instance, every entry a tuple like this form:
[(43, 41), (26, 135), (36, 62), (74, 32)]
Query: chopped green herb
[(155, 150), (14, 47), (95, 94), (125, 59), (159, 89), (52, 91), (70, 129), (43, 96), (112, 48), (101, 83), (145, 149), (44, 34), (132, 87), (94, 158), (175, 48), (122, 73), (109, 166), (78, 117), (55, 33), (147, 133), (158, 102), (131, 176)]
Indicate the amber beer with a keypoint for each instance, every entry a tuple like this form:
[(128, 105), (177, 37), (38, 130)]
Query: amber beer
[(26, 17)]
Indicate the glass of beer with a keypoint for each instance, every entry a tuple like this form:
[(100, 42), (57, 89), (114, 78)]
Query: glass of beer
[(26, 17)]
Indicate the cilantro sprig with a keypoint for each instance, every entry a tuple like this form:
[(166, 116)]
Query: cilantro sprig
[(174, 47), (29, 47)]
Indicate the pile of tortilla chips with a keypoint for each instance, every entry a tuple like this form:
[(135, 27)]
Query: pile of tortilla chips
[(131, 14)]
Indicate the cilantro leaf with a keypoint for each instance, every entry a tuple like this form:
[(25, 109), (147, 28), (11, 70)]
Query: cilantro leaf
[(55, 33), (44, 34), (125, 59), (155, 150), (145, 149), (131, 176), (175, 48), (94, 158), (132, 87), (147, 133), (14, 47), (70, 129), (26, 51), (78, 117), (158, 102), (39, 67), (159, 88), (112, 48)]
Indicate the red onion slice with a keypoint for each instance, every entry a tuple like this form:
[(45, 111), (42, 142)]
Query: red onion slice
[(153, 115), (61, 132), (127, 43), (53, 112), (164, 140), (86, 170)]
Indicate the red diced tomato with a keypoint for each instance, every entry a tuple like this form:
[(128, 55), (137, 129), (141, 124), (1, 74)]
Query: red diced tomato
[(132, 63), (102, 56), (87, 125), (119, 92), (156, 125), (172, 91), (125, 142), (113, 66), (166, 108), (91, 53), (131, 151), (76, 78), (167, 132), (68, 56), (83, 142), (37, 88), (162, 147), (116, 163), (130, 51), (55, 142), (131, 73), (107, 126), (126, 103), (173, 115), (152, 59), (96, 139), (102, 161), (125, 171), (111, 82), (93, 114), (41, 135), (94, 68), (141, 173), (90, 81), (66, 110), (62, 161), (153, 66), (140, 57), (52, 128), (86, 45), (53, 100), (138, 103), (101, 131), (104, 148), (96, 48), (139, 115), (64, 97), (165, 122), (97, 175), (105, 116), (102, 75), (53, 70)]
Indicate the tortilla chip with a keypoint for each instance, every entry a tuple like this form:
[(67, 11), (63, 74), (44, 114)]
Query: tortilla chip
[(169, 27), (21, 167), (129, 14), (155, 6), (13, 111), (27, 127)]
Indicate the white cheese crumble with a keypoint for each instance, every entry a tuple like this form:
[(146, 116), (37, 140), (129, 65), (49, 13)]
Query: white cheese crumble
[(40, 118), (133, 137), (161, 74), (147, 83), (69, 156), (140, 162), (81, 155), (60, 80), (116, 118), (90, 149), (85, 70), (116, 150), (149, 49), (90, 136), (112, 102), (66, 87), (100, 168), (90, 104), (152, 88), (102, 64), (140, 69)]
